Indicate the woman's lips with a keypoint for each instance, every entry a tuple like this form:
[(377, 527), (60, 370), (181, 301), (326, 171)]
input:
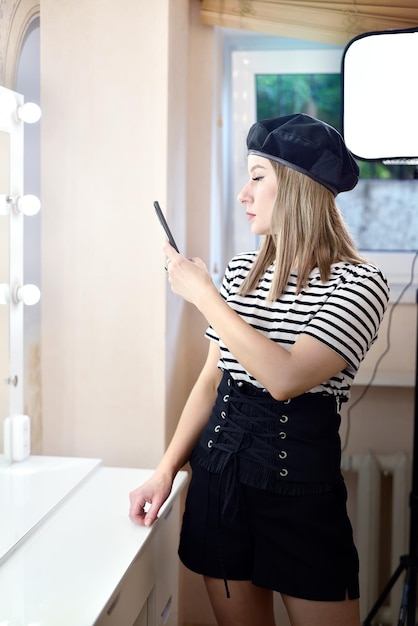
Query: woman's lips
[(250, 216)]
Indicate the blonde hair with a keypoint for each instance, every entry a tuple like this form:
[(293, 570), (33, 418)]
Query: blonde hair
[(307, 231)]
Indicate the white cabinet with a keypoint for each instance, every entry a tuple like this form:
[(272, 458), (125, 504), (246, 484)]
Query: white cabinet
[(148, 593), (87, 564)]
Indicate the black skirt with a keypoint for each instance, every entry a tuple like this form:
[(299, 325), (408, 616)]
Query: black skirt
[(247, 518)]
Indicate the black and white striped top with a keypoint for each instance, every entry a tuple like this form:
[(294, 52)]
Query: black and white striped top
[(344, 313)]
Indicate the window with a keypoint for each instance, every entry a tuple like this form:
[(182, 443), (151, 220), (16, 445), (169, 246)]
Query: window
[(382, 215), (246, 67)]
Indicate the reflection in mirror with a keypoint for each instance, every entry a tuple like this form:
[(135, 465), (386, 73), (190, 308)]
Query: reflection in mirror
[(380, 95), (4, 280)]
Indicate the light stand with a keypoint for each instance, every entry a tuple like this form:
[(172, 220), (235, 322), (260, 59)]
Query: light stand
[(408, 562)]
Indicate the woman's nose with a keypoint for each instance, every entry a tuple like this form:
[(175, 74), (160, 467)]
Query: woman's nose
[(243, 195)]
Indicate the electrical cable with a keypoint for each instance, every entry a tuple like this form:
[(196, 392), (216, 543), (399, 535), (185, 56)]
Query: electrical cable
[(384, 353)]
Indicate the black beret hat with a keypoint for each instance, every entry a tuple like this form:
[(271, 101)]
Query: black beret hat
[(307, 145)]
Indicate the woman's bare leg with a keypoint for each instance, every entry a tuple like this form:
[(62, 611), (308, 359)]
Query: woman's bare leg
[(309, 613), (248, 605)]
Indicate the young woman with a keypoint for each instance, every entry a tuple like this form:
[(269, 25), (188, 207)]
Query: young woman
[(266, 505)]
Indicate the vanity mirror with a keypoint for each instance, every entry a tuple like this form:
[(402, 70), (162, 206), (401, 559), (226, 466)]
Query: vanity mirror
[(14, 205), (4, 280)]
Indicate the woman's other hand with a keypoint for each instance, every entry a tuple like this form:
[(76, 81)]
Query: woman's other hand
[(154, 492)]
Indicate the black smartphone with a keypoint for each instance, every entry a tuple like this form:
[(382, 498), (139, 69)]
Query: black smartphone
[(165, 226)]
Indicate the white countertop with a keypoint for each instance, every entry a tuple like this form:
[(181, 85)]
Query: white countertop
[(64, 572), (30, 490)]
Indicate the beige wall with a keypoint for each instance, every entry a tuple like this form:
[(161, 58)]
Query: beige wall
[(114, 138)]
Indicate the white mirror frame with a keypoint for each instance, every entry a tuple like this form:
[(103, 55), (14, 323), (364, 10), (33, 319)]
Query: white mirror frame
[(10, 124)]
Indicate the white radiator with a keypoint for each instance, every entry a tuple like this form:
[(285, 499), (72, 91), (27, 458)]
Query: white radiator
[(369, 469)]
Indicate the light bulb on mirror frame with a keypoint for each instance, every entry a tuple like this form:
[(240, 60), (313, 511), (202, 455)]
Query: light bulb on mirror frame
[(28, 204), (30, 112), (27, 294)]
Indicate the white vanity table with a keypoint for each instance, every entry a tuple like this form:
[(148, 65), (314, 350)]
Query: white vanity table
[(85, 563)]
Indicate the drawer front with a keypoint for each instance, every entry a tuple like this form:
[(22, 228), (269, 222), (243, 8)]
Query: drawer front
[(131, 595), (168, 566)]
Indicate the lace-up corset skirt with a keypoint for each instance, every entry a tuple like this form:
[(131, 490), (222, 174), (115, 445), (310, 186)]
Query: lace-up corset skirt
[(286, 447)]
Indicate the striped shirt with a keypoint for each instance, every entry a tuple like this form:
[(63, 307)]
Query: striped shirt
[(344, 313)]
